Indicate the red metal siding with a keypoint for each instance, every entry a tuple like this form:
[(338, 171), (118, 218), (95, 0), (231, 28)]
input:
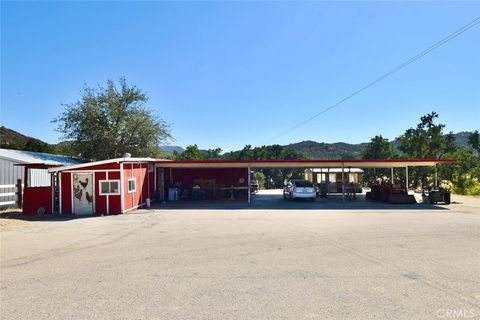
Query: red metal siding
[(227, 177), (66, 193), (224, 177), (144, 180), (35, 198), (127, 197), (100, 201), (115, 207), (139, 172)]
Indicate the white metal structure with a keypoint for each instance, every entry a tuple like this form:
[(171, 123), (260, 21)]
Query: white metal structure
[(10, 172)]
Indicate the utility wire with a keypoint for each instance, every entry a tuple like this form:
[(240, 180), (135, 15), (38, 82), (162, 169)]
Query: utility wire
[(451, 36)]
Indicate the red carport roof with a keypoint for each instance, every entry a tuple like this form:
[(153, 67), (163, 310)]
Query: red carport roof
[(386, 163)]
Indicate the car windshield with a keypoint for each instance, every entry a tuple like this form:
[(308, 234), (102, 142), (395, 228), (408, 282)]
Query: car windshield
[(303, 184)]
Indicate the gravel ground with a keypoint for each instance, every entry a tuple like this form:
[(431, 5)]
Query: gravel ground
[(246, 264)]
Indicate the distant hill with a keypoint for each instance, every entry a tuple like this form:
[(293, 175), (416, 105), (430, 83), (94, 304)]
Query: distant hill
[(171, 149), (462, 138), (341, 150), (322, 150), (12, 139)]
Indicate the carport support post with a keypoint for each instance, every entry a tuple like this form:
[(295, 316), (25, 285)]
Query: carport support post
[(343, 182), (249, 184), (391, 175)]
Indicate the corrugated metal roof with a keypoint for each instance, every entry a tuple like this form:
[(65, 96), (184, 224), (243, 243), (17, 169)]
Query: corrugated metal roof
[(29, 157), (96, 163)]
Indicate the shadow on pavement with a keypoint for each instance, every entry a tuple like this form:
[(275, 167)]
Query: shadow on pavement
[(19, 216), (277, 202)]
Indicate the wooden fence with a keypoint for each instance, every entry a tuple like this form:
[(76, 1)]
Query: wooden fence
[(11, 195)]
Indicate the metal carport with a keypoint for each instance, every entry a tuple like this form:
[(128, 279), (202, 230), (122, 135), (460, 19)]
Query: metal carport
[(254, 164)]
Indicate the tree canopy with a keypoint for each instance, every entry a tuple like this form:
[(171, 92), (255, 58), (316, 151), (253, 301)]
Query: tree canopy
[(474, 140), (428, 141), (107, 122), (273, 178), (425, 141), (378, 148), (193, 153)]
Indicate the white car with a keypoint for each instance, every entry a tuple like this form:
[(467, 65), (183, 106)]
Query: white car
[(302, 189)]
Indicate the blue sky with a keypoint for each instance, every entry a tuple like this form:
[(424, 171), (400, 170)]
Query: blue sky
[(226, 74)]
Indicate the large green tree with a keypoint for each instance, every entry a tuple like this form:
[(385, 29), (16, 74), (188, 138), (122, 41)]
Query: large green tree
[(378, 148), (193, 153), (426, 141), (38, 146), (274, 178), (463, 176), (111, 120), (474, 141)]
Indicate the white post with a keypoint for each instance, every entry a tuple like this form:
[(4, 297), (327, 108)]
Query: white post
[(436, 178), (249, 184), (327, 180), (122, 191), (343, 182), (406, 178), (391, 175)]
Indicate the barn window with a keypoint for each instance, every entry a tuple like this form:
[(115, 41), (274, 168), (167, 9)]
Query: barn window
[(352, 177), (38, 178), (132, 185), (321, 177), (332, 177), (109, 187)]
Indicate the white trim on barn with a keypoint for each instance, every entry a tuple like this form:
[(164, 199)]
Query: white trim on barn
[(97, 163), (100, 192), (108, 195), (60, 199), (134, 185), (88, 171), (142, 182), (136, 207), (122, 196)]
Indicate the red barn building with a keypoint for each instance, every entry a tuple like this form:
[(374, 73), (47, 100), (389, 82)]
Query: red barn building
[(120, 185), (104, 187)]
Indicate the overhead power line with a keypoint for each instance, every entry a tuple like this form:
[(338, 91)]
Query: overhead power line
[(438, 44)]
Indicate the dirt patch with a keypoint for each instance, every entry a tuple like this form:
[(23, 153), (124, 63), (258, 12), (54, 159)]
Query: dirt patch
[(13, 217)]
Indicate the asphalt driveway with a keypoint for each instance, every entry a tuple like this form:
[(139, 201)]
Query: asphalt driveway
[(246, 264)]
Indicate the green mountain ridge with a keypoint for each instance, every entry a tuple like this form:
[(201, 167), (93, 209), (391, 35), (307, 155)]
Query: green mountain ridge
[(9, 137), (321, 150), (311, 149), (342, 150)]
